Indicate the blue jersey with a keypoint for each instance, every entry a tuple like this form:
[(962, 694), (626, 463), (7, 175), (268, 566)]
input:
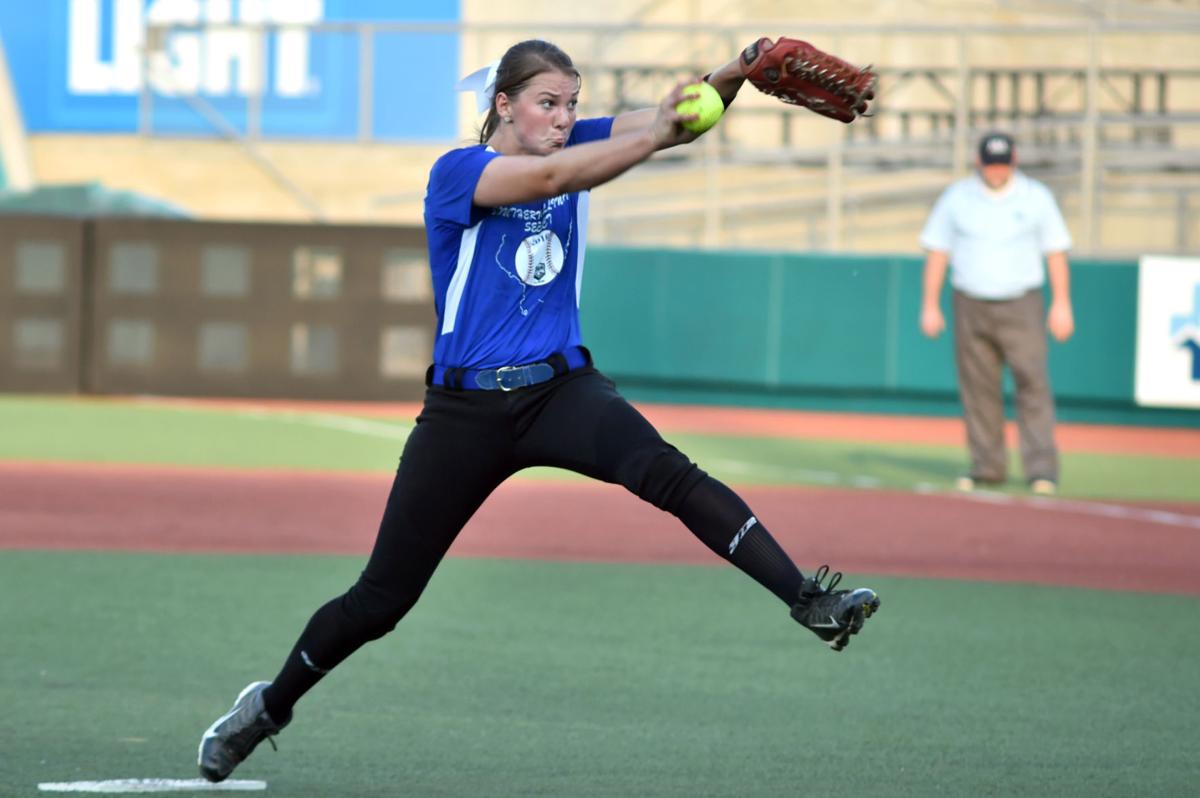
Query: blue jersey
[(506, 280)]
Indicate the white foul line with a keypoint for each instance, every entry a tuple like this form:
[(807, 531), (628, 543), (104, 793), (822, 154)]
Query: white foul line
[(1086, 508), (153, 785), (400, 431), (359, 426), (1101, 510)]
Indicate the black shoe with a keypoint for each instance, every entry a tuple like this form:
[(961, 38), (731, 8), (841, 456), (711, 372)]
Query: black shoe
[(234, 735), (833, 615)]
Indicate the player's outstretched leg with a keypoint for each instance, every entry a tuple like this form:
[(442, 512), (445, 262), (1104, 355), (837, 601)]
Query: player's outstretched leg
[(833, 615), (234, 735)]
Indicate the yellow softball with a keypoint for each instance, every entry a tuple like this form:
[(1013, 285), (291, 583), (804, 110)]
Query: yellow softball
[(708, 106)]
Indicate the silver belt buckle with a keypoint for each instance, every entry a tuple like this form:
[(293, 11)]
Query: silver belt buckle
[(500, 383)]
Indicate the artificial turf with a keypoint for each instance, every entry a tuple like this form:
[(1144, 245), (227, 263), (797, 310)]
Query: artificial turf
[(560, 679)]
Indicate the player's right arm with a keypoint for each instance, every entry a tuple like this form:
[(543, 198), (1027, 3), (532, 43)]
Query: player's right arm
[(513, 179)]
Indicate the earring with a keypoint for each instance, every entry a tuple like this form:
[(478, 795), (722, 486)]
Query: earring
[(508, 120)]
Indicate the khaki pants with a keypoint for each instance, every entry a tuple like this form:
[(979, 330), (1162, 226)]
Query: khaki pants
[(987, 335)]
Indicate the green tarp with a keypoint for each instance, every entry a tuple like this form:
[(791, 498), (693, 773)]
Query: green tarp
[(87, 199)]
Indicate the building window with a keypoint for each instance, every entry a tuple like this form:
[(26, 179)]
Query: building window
[(133, 268), (316, 272), (225, 271), (223, 346), (41, 267), (130, 342), (404, 351), (314, 349), (38, 344), (406, 276)]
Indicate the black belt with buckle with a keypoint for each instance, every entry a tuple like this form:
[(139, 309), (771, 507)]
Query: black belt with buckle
[(509, 378)]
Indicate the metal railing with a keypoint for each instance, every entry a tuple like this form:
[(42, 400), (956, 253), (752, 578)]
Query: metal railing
[(1100, 113)]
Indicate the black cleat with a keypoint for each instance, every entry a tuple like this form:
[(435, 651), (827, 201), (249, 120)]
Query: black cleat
[(833, 615), (234, 735)]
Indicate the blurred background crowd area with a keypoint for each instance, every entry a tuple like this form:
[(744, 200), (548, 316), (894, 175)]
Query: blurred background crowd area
[(334, 110)]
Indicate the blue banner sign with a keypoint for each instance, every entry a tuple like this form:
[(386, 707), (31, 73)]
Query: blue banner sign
[(83, 65)]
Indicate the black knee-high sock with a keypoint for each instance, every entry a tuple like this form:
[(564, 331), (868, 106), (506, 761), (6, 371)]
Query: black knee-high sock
[(725, 524), (300, 673), (334, 632)]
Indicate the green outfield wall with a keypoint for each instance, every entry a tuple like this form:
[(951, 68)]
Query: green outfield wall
[(832, 332)]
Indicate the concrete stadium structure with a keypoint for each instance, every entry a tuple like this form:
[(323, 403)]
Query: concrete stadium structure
[(1104, 98)]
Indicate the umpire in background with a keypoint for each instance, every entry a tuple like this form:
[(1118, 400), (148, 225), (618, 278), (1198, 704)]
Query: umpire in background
[(994, 229)]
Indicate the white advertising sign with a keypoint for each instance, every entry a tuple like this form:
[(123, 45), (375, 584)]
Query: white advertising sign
[(1168, 332)]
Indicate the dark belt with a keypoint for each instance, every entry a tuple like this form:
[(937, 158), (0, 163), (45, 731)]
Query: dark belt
[(509, 378)]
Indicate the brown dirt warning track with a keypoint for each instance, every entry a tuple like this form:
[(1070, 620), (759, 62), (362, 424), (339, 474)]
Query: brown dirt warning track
[(73, 506), (1088, 544)]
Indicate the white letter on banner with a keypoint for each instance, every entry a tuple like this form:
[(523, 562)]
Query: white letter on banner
[(226, 49), (291, 51), (85, 73), (176, 68), (128, 36)]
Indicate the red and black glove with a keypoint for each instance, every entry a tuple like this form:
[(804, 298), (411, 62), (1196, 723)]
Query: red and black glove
[(800, 74)]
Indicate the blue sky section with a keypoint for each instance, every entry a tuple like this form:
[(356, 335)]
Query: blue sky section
[(414, 96)]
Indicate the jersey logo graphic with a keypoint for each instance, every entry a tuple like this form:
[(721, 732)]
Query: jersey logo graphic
[(524, 311), (539, 258)]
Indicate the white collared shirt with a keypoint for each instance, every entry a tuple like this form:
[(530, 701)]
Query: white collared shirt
[(996, 240)]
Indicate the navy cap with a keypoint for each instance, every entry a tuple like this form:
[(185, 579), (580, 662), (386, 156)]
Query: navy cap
[(996, 148)]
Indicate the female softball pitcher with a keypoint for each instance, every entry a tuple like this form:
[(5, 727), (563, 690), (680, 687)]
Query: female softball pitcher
[(512, 386)]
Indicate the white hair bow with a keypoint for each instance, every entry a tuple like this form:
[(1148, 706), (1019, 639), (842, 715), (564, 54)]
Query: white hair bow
[(483, 83)]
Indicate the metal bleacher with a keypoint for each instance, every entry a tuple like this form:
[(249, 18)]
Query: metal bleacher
[(1106, 110), (1097, 134)]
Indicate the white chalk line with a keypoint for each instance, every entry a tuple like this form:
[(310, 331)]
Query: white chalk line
[(359, 426), (400, 431), (1051, 504), (153, 785), (1099, 509), (397, 431)]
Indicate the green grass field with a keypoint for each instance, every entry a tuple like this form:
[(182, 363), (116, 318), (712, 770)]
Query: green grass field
[(516, 678), (556, 679), (102, 431)]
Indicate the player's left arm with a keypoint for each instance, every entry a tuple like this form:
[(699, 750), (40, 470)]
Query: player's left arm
[(727, 80), (1061, 319)]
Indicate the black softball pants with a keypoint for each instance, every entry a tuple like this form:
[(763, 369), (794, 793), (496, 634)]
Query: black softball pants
[(464, 445)]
